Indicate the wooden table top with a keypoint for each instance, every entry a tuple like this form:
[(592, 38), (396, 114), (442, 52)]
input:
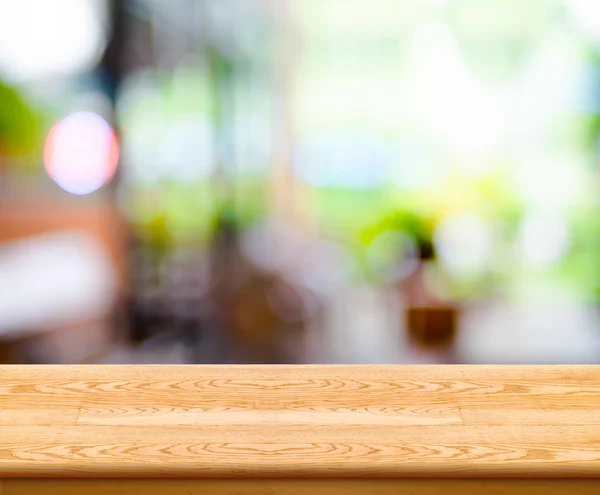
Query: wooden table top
[(300, 421)]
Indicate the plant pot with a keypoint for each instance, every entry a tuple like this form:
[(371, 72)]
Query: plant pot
[(431, 323), (433, 327)]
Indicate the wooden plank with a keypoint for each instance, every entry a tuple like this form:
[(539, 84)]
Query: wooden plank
[(480, 416), (307, 386), (37, 416), (556, 374), (267, 432), (306, 421), (311, 451), (302, 487), (245, 414)]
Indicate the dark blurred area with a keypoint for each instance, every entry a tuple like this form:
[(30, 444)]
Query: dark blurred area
[(279, 181)]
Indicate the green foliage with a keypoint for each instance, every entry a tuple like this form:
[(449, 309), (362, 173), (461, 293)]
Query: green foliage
[(251, 202), (410, 222), (346, 213), (19, 124)]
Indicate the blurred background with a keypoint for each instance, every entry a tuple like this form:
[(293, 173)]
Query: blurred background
[(280, 181)]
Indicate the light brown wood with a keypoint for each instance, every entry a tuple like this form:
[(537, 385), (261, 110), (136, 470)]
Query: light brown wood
[(299, 421), (39, 416), (307, 486), (535, 416), (236, 415)]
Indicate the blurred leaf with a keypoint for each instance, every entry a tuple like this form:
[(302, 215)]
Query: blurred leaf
[(19, 124)]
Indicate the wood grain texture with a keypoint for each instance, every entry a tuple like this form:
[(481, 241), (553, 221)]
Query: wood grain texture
[(535, 416), (39, 416), (302, 487), (300, 421)]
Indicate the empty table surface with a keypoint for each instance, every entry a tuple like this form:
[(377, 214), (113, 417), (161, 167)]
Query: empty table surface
[(299, 421)]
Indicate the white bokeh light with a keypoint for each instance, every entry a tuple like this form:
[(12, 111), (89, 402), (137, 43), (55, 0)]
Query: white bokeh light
[(544, 238), (464, 243), (81, 153), (587, 14), (467, 116), (40, 38)]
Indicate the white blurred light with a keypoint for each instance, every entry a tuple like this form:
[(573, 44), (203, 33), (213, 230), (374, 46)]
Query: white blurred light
[(416, 166), (544, 238), (471, 119), (587, 14), (550, 182), (464, 243), (43, 38), (437, 4), (186, 151), (351, 162), (157, 146), (67, 274), (81, 153), (540, 99)]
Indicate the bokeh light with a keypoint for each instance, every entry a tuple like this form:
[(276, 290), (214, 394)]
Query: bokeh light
[(81, 153), (50, 39), (544, 238), (464, 243)]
